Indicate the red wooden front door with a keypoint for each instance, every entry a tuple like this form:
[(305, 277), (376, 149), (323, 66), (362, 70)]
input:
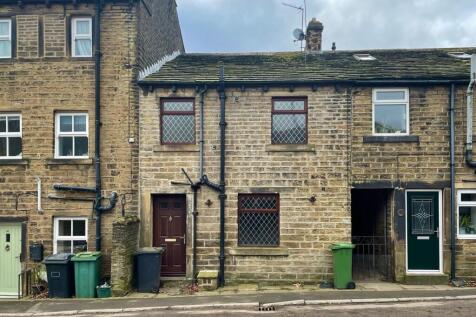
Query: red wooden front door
[(169, 232)]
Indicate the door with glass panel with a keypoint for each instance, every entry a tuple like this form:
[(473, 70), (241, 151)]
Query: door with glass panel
[(10, 252), (424, 231)]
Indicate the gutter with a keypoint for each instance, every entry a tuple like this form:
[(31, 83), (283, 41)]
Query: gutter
[(431, 81), (22, 3), (469, 115)]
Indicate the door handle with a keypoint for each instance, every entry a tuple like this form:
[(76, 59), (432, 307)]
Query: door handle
[(437, 231), (184, 240)]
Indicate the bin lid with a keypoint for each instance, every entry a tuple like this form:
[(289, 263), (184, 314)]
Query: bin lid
[(58, 258), (340, 246), (86, 256), (156, 250)]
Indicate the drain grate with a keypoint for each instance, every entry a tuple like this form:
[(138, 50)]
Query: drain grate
[(267, 308)]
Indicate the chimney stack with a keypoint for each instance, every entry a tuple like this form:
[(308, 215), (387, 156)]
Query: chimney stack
[(314, 36)]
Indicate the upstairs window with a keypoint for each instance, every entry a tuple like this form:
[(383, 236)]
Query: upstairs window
[(71, 135), (70, 235), (10, 136), (5, 38), (82, 37), (289, 121), (390, 112), (177, 121), (258, 220)]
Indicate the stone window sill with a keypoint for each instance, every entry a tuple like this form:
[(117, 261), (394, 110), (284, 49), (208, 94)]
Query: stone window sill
[(256, 251), (69, 162), (14, 162), (311, 148), (177, 148), (391, 139)]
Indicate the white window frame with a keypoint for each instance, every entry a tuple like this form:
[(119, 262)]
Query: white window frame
[(12, 135), (57, 237), (7, 37), (75, 36), (391, 102), (59, 134), (464, 204)]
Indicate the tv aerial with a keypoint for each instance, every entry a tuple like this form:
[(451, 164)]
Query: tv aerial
[(299, 34)]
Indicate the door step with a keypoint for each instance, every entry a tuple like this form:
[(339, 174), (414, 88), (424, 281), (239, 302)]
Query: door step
[(439, 279)]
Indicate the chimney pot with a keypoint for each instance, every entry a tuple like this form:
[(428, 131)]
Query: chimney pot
[(314, 36)]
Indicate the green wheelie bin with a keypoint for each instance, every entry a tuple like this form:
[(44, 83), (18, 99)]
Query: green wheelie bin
[(87, 267), (343, 265)]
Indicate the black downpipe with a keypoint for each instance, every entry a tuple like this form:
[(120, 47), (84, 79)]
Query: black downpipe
[(97, 123), (195, 188), (222, 195), (452, 182)]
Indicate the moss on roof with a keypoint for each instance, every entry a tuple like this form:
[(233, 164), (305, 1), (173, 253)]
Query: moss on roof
[(395, 64)]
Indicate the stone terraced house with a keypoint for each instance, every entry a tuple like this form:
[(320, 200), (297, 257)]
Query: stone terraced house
[(255, 164), (68, 71)]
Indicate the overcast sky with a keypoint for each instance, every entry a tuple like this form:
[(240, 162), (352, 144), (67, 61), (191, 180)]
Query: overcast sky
[(267, 25)]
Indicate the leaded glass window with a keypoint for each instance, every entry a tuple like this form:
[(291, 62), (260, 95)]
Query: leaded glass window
[(258, 220), (289, 121), (178, 121), (422, 216)]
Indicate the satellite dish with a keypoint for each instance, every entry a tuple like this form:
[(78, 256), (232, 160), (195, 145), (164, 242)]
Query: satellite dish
[(298, 34)]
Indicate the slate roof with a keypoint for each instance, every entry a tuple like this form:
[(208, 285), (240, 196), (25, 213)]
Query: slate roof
[(284, 67)]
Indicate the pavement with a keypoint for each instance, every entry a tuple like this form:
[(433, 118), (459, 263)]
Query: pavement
[(238, 298)]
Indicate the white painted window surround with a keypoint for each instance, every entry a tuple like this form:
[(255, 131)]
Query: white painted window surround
[(82, 37), (70, 234), (390, 112), (466, 214), (5, 38), (71, 135)]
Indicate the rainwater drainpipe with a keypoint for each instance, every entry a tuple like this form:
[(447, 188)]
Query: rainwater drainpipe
[(222, 195), (202, 127), (469, 114), (97, 122), (195, 187), (452, 182)]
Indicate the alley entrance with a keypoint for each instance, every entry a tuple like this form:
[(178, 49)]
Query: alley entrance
[(370, 234), (169, 232)]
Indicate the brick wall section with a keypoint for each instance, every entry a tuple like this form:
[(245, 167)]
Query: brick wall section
[(125, 233), (40, 88), (426, 161), (465, 179), (54, 38), (306, 229), (27, 36), (159, 31)]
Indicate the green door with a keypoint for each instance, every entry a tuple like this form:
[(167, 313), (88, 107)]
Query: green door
[(10, 250), (423, 238)]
